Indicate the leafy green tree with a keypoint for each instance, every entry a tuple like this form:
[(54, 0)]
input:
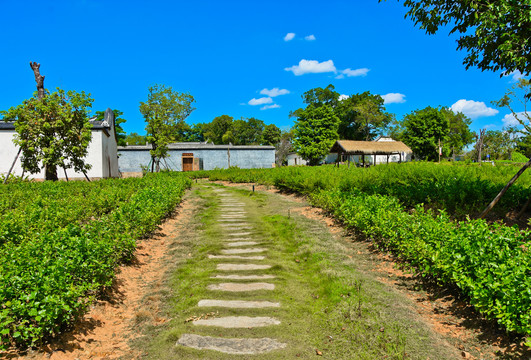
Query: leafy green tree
[(423, 130), (196, 133), (495, 33), (523, 145), (135, 139), (314, 132), (362, 116), (497, 144), (219, 126), (53, 131), (164, 112), (459, 134), (118, 121), (271, 135)]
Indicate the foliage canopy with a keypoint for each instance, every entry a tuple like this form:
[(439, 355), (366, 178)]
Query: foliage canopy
[(53, 132), (164, 112), (495, 33)]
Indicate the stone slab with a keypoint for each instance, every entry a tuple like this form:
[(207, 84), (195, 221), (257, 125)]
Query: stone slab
[(242, 251), (237, 304), (242, 267), (241, 243), (230, 227), (230, 346), (231, 322), (239, 239), (241, 287), (232, 220), (236, 257), (244, 277), (246, 233)]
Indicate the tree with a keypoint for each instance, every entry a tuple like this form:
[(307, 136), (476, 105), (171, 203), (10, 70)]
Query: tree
[(459, 134), (516, 94), (314, 132), (219, 127), (247, 132), (423, 131), (164, 113), (135, 139), (271, 135), (53, 131), (284, 147), (120, 132), (362, 116), (495, 33)]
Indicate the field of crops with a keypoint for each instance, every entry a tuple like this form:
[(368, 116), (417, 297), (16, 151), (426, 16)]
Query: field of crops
[(489, 263), (459, 189), (60, 244)]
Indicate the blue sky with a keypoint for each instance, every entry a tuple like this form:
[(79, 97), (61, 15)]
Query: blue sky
[(231, 56)]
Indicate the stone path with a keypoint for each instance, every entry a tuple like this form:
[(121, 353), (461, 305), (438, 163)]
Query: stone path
[(239, 245)]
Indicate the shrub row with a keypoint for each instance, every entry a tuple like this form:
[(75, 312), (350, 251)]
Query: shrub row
[(490, 264), (50, 278), (457, 188)]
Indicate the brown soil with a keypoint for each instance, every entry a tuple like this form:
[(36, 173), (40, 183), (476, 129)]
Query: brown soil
[(105, 331)]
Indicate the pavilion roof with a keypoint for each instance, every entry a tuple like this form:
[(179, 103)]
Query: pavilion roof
[(351, 147)]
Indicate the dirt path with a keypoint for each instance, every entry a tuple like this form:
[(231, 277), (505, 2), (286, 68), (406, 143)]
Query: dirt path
[(266, 276)]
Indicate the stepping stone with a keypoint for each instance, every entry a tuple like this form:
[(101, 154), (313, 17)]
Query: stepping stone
[(242, 243), (230, 346), (239, 287), (236, 257), (244, 277), (237, 304), (242, 267), (231, 227), (238, 322), (242, 251), (233, 216), (240, 239), (240, 234), (233, 220)]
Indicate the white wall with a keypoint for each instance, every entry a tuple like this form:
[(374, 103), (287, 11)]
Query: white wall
[(8, 151)]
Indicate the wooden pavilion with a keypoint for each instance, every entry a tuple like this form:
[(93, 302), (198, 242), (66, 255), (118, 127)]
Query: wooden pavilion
[(387, 148)]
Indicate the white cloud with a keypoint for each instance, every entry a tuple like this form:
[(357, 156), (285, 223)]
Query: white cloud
[(309, 37), (343, 97), (473, 109), (340, 76), (274, 92), (312, 66), (289, 36), (516, 75), (260, 101), (356, 72), (394, 98), (510, 120), (272, 106)]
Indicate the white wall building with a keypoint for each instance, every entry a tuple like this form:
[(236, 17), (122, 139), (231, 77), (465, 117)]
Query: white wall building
[(102, 152)]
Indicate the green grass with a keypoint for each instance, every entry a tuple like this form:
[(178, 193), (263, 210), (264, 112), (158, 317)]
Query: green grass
[(326, 303)]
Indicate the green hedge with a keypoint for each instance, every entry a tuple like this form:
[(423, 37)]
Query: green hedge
[(51, 274)]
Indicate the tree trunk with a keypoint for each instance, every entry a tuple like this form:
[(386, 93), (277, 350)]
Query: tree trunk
[(480, 144), (39, 79), (498, 197), (50, 172)]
